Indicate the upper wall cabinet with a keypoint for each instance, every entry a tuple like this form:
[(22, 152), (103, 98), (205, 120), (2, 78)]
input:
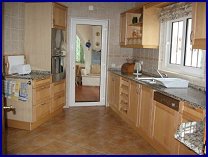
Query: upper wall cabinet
[(199, 25), (139, 28), (38, 23), (59, 16)]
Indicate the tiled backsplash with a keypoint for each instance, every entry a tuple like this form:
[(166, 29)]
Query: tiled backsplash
[(111, 12), (149, 57), (13, 28)]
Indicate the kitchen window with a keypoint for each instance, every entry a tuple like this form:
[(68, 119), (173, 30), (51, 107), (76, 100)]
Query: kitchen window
[(179, 57)]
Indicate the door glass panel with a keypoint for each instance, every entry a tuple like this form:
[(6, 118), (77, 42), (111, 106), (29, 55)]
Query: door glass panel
[(88, 63)]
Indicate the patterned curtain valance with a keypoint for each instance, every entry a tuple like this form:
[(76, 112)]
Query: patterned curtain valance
[(175, 11)]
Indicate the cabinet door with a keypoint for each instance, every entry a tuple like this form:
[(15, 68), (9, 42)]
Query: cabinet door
[(110, 89), (116, 90), (151, 27), (123, 27), (199, 25), (134, 102), (37, 35), (113, 90), (42, 110), (59, 16), (58, 95), (165, 122), (145, 118)]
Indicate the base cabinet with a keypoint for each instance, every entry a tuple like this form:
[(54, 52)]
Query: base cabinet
[(155, 119), (145, 114), (58, 95), (189, 114), (113, 90), (45, 100), (135, 90)]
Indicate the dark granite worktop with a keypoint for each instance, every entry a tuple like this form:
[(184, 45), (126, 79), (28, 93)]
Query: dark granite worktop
[(191, 134), (193, 96), (34, 75)]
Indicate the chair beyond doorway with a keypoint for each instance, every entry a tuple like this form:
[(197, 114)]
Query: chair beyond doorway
[(78, 77)]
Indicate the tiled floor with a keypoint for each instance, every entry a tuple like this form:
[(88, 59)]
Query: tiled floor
[(87, 93), (79, 130)]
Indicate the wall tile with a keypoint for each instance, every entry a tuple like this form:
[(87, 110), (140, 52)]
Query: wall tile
[(13, 28), (110, 11)]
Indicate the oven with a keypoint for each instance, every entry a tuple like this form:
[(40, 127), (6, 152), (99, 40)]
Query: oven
[(58, 69), (58, 53)]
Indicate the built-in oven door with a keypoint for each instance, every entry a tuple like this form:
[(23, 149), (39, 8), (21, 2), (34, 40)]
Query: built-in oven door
[(58, 69)]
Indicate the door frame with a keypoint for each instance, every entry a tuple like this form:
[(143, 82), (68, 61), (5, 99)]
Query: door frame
[(104, 51)]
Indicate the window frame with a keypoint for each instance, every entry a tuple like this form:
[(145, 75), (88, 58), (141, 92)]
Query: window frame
[(179, 68)]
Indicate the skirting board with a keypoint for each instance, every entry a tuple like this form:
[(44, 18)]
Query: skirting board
[(31, 126)]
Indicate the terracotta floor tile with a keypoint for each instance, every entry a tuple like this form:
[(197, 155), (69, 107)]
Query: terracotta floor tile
[(80, 130)]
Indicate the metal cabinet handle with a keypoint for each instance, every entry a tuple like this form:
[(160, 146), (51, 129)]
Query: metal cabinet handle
[(9, 108), (191, 36), (173, 104)]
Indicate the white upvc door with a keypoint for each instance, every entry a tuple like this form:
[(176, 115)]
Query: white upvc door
[(71, 84)]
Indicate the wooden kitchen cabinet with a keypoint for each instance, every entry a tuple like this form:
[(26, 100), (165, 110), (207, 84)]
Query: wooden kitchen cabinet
[(41, 99), (113, 90), (144, 122), (58, 95), (165, 122), (44, 101), (59, 16), (137, 35), (134, 103), (36, 109), (199, 25), (124, 95), (189, 114), (38, 32)]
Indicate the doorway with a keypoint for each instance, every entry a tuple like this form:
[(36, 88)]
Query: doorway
[(88, 47)]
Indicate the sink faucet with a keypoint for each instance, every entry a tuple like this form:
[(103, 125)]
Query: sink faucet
[(162, 75)]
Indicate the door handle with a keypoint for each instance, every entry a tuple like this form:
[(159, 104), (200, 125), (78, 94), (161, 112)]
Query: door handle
[(9, 108)]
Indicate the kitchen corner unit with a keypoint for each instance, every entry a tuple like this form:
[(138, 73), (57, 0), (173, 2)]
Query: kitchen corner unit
[(45, 99), (137, 33)]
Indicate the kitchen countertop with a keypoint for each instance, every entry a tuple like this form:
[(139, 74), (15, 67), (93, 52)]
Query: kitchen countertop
[(191, 135), (194, 97), (34, 75)]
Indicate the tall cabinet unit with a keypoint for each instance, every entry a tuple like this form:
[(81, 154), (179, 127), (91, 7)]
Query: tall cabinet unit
[(37, 43), (39, 19), (138, 25), (198, 35)]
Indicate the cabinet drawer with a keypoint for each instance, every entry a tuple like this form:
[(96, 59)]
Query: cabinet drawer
[(58, 87), (41, 82), (58, 101), (41, 93), (192, 114), (41, 110)]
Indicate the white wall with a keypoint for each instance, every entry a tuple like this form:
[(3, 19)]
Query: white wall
[(85, 33)]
